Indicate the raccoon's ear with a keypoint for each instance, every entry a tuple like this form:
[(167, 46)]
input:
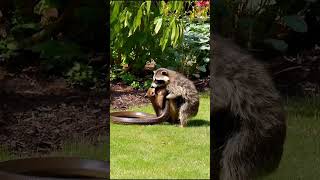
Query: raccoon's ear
[(154, 72), (165, 73)]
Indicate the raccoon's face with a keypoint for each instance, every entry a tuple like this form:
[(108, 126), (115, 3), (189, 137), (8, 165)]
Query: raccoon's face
[(160, 78)]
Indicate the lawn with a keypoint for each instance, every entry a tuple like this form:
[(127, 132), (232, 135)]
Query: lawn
[(82, 148), (301, 158), (162, 151)]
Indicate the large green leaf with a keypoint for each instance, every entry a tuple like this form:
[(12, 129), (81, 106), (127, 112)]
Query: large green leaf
[(158, 23), (115, 11), (173, 32), (148, 7), (296, 23), (137, 19)]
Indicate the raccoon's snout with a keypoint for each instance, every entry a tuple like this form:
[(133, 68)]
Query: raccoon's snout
[(154, 85)]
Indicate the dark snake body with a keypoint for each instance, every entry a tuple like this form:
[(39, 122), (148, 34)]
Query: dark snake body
[(131, 117)]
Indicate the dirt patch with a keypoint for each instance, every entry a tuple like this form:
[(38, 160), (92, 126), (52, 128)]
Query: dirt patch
[(38, 116), (123, 97)]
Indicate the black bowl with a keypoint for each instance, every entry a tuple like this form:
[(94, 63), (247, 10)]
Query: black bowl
[(54, 168)]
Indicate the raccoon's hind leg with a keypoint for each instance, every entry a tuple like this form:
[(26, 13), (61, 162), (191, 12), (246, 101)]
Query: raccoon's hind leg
[(184, 114)]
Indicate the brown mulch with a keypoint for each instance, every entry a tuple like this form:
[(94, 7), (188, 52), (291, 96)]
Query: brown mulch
[(123, 97), (38, 116)]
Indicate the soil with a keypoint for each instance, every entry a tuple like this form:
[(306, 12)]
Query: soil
[(37, 116)]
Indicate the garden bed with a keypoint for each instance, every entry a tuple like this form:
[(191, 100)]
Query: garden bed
[(40, 115)]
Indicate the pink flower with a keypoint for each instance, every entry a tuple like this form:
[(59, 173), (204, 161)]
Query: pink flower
[(202, 3)]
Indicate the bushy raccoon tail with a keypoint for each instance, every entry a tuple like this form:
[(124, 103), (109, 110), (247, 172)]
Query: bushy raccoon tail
[(252, 152)]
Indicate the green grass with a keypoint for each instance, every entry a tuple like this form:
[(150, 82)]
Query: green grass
[(82, 148), (5, 155), (162, 151), (301, 158), (85, 149)]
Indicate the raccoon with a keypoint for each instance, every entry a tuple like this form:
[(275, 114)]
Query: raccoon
[(178, 86), (249, 120)]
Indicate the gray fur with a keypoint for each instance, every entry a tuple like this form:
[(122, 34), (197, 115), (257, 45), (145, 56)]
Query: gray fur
[(248, 118), (179, 86)]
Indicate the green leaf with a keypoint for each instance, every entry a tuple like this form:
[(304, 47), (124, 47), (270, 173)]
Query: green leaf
[(115, 11), (173, 32), (137, 19), (296, 23), (279, 45), (180, 6), (127, 18), (130, 33), (158, 22), (148, 7), (165, 39), (177, 34)]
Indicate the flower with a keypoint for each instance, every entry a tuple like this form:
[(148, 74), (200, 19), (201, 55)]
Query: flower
[(202, 3)]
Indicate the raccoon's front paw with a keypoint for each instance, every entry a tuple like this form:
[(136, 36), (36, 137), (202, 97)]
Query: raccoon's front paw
[(171, 96)]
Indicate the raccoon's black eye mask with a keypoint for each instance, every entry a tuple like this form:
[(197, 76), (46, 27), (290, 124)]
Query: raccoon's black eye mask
[(159, 82)]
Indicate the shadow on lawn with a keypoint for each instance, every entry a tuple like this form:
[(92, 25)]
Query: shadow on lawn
[(198, 122)]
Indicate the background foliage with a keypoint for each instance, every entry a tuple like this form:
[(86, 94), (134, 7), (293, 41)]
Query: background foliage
[(284, 33), (58, 35), (151, 34), (286, 25)]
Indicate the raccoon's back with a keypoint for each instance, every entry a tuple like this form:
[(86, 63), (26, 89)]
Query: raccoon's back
[(185, 87)]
